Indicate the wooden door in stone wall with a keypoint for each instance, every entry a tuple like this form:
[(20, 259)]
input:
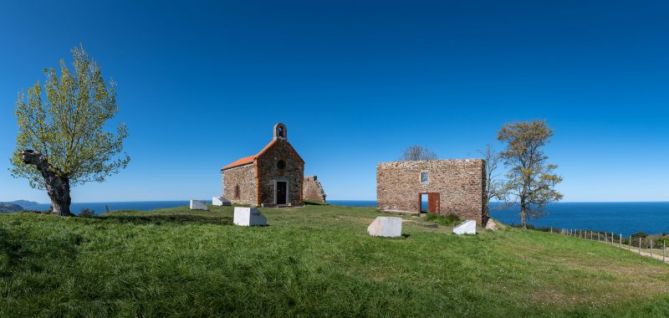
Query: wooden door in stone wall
[(433, 203), (281, 192)]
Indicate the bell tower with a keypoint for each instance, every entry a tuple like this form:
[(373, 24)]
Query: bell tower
[(280, 131)]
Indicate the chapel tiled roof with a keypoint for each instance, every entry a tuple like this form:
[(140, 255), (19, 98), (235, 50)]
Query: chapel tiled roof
[(253, 158)]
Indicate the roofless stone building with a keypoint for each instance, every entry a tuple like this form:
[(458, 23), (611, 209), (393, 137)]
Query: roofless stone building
[(272, 177), (447, 186)]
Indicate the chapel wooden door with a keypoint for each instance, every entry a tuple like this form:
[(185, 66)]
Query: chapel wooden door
[(281, 192)]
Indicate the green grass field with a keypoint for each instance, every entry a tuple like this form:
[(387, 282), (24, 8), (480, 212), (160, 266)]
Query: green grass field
[(311, 261)]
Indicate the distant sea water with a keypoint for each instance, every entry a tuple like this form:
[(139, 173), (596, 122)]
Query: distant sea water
[(102, 207), (619, 217)]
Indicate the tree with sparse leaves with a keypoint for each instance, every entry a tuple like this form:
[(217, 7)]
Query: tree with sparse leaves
[(531, 180), (62, 139), (493, 185), (417, 152)]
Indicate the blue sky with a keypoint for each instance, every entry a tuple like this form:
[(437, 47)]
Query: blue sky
[(200, 84)]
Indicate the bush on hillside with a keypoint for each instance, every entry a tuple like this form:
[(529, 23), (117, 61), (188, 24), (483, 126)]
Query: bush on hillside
[(448, 219), (87, 213), (640, 234)]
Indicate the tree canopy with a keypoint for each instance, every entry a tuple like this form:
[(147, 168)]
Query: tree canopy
[(531, 179), (417, 152), (64, 123)]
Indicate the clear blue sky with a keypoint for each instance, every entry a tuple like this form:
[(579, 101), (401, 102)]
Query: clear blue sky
[(200, 84)]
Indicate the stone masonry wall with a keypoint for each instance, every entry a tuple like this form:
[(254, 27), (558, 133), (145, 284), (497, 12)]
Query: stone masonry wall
[(313, 190), (245, 178), (460, 184), (269, 171)]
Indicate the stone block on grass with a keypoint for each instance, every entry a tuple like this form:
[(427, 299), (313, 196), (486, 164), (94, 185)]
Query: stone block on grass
[(248, 217), (198, 205), (385, 226), (220, 201), (465, 228), (491, 225)]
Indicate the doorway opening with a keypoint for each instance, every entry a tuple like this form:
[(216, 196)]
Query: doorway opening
[(281, 192), (429, 202), (423, 203)]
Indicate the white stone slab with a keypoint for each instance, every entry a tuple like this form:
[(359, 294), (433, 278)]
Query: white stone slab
[(198, 205), (248, 217), (219, 201), (466, 227), (491, 225), (385, 226)]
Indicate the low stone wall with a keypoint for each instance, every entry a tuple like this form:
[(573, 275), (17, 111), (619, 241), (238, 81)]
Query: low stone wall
[(459, 183), (239, 185), (313, 190)]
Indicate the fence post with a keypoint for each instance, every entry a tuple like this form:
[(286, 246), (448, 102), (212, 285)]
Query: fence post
[(664, 248), (651, 247), (639, 245), (621, 240)]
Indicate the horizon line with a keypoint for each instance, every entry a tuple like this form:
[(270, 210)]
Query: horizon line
[(366, 200)]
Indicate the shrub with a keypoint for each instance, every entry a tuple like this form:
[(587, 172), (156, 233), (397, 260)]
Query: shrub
[(640, 234), (87, 213), (448, 219)]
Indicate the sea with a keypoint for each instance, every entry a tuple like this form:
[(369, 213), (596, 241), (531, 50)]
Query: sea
[(618, 217)]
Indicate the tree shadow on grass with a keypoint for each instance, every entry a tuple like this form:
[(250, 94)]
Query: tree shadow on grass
[(164, 219), (20, 253)]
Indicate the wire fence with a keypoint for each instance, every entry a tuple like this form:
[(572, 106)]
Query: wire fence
[(642, 245)]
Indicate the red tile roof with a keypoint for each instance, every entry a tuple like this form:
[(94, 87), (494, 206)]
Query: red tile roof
[(241, 162), (252, 159), (249, 159)]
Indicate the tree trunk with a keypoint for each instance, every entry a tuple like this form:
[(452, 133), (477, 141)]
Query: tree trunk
[(523, 213), (486, 209), (57, 185), (59, 192)]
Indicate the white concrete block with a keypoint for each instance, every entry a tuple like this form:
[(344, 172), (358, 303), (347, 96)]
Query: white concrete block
[(248, 217), (198, 205), (220, 201), (466, 227), (386, 227)]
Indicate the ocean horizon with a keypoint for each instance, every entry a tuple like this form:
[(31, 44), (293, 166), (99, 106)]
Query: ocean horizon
[(624, 218)]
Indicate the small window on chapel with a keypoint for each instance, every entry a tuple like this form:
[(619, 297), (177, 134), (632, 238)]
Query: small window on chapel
[(281, 164), (424, 177)]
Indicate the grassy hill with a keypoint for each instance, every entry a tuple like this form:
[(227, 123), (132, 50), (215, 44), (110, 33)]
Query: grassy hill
[(311, 261)]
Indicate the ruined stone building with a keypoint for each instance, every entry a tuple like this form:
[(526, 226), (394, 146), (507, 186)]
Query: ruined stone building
[(433, 186), (313, 190), (272, 177)]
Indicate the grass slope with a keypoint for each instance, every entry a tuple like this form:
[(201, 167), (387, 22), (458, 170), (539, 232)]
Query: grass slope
[(311, 261)]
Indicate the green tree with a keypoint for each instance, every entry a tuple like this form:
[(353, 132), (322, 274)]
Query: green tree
[(531, 180), (62, 140)]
